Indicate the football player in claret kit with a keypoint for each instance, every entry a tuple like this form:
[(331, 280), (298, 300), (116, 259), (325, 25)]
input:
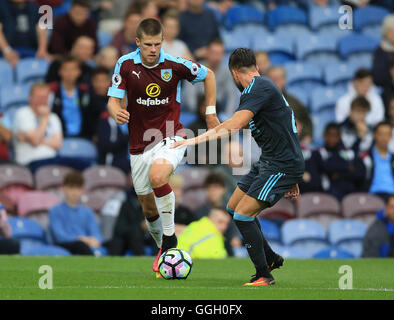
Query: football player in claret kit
[(281, 164), (151, 81)]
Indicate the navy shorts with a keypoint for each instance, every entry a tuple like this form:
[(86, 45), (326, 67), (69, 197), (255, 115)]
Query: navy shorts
[(266, 183)]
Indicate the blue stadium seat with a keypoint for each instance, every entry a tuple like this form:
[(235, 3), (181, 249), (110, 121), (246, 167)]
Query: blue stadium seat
[(298, 73), (320, 120), (25, 228), (280, 49), (284, 14), (373, 31), (103, 38), (187, 118), (235, 39), (317, 48), (323, 16), (14, 96), (362, 60), (348, 234), (356, 43), (325, 98), (28, 249), (31, 69), (270, 229), (369, 15), (6, 73), (292, 31), (240, 13), (300, 94), (291, 252), (338, 74), (78, 148), (304, 234), (333, 253)]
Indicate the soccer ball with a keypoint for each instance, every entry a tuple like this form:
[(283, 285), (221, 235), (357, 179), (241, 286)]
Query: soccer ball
[(175, 264)]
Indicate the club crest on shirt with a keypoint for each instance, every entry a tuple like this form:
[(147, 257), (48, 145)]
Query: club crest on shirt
[(116, 79), (166, 74), (194, 69)]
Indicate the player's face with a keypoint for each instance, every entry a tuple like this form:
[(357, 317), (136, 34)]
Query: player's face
[(237, 82), (150, 47)]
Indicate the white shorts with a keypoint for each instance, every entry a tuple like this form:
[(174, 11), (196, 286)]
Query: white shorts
[(140, 163)]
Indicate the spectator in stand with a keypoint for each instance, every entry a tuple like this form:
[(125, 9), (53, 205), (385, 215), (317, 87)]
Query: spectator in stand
[(340, 169), (99, 89), (301, 114), (388, 90), (74, 226), (203, 239), (215, 188), (37, 131), (107, 58), (355, 133), (72, 101), (83, 50), (171, 45), (124, 40), (383, 58), (70, 26), (379, 164), (109, 14), (379, 239), (227, 96), (5, 136), (20, 35), (8, 245), (311, 179), (147, 8), (198, 28), (263, 62), (183, 215), (361, 86)]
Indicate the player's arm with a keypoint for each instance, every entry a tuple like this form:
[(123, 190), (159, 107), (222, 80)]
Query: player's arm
[(210, 97), (117, 110), (238, 121)]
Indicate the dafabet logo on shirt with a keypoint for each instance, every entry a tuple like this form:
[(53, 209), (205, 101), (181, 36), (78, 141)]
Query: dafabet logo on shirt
[(152, 90)]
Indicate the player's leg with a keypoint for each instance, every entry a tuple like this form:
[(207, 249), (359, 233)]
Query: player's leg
[(235, 198), (164, 197)]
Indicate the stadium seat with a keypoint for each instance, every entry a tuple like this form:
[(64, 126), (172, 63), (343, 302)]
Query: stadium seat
[(304, 234), (369, 15), (36, 202), (320, 17), (333, 253), (34, 249), (362, 60), (317, 48), (195, 198), (11, 174), (292, 31), (25, 228), (284, 209), (235, 39), (14, 96), (299, 93), (50, 177), (280, 49), (31, 69), (319, 206), (290, 252), (187, 118), (79, 149), (339, 74), (240, 13), (303, 75), (94, 201), (320, 119), (325, 98), (270, 230), (354, 44), (104, 38), (6, 73), (348, 234), (361, 206), (373, 31), (99, 177), (284, 14), (193, 177)]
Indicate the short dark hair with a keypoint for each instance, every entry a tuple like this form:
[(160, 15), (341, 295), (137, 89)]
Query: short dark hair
[(216, 41), (241, 58), (332, 126), (215, 178), (362, 73), (149, 27), (68, 59), (100, 70), (360, 102), (82, 3), (74, 179), (380, 124)]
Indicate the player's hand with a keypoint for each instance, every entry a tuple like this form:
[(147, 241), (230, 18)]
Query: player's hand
[(293, 193), (183, 143), (122, 116)]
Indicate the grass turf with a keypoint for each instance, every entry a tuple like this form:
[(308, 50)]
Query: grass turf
[(132, 278)]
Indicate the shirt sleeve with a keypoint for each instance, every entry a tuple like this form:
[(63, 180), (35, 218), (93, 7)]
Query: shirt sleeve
[(191, 71), (255, 97), (118, 87)]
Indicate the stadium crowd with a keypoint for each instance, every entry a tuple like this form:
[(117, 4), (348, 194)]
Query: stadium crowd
[(346, 136)]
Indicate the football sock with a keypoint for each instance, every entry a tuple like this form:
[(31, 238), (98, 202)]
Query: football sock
[(155, 228), (253, 240), (169, 242), (165, 203)]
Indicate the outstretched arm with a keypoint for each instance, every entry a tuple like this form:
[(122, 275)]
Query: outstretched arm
[(239, 120), (210, 97)]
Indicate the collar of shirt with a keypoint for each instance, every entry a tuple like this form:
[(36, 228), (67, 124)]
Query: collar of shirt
[(137, 58)]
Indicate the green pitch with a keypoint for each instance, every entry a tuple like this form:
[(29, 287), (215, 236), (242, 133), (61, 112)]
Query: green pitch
[(132, 278)]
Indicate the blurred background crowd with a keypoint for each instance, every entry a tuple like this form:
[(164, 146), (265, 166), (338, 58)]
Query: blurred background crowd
[(60, 147)]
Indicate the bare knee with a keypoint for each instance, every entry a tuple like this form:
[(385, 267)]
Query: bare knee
[(157, 179)]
